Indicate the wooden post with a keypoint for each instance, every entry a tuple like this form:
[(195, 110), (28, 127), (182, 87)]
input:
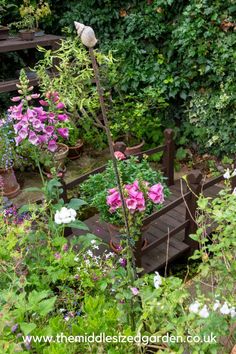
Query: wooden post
[(169, 156), (195, 186)]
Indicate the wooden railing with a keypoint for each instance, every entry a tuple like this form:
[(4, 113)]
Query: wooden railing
[(195, 186)]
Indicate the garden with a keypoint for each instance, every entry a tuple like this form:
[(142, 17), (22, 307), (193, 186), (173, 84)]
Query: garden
[(117, 176)]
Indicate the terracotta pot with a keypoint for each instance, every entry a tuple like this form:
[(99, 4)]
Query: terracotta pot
[(59, 158), (131, 150), (11, 187), (26, 35), (4, 32), (114, 232), (75, 151)]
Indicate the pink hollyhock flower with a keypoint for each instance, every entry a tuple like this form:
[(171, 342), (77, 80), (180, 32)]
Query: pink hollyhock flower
[(156, 194), (64, 132), (119, 155), (135, 291), (60, 105), (44, 103), (16, 99), (33, 139), (131, 204), (62, 117), (52, 146), (49, 130)]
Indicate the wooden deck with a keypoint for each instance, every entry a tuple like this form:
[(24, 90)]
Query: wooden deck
[(168, 250)]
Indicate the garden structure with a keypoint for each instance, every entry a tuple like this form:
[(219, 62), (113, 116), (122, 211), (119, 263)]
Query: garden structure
[(16, 44), (168, 229)]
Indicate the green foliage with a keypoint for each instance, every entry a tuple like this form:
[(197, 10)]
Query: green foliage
[(95, 188)]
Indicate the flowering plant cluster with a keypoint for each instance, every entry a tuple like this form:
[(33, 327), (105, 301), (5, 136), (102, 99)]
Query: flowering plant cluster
[(40, 125), (144, 190), (137, 196), (65, 216)]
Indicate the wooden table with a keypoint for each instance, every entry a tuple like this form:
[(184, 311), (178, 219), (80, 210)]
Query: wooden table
[(16, 44)]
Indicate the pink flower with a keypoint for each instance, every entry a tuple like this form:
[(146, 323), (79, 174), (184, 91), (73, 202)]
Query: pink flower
[(60, 105), (18, 140), (16, 99), (33, 139), (36, 123), (43, 139), (131, 204), (35, 95), (135, 291), (43, 103), (49, 130), (119, 155), (62, 117), (23, 133), (156, 194), (64, 132), (52, 146)]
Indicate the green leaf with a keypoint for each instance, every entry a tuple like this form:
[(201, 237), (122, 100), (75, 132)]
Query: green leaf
[(76, 203), (27, 327), (46, 306), (78, 225)]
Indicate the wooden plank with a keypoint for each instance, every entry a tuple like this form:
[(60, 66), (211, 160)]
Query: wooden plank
[(166, 208), (164, 238), (15, 43)]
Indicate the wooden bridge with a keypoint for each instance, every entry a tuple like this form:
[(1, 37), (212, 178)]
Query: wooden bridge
[(167, 232)]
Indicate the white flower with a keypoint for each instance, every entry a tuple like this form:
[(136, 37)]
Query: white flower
[(93, 242), (234, 173), (76, 259), (216, 305), (204, 313), (226, 175), (194, 307), (90, 253), (96, 247), (234, 191), (157, 280), (64, 216), (225, 310), (232, 312)]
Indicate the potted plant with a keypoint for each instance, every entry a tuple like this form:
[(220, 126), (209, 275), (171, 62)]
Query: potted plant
[(144, 191), (38, 126), (8, 184), (4, 30), (25, 27), (38, 11), (74, 143)]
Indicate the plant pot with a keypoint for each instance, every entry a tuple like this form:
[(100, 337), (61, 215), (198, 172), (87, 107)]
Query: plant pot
[(75, 151), (131, 150), (27, 35), (59, 158), (11, 187), (4, 32), (114, 232), (39, 33)]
